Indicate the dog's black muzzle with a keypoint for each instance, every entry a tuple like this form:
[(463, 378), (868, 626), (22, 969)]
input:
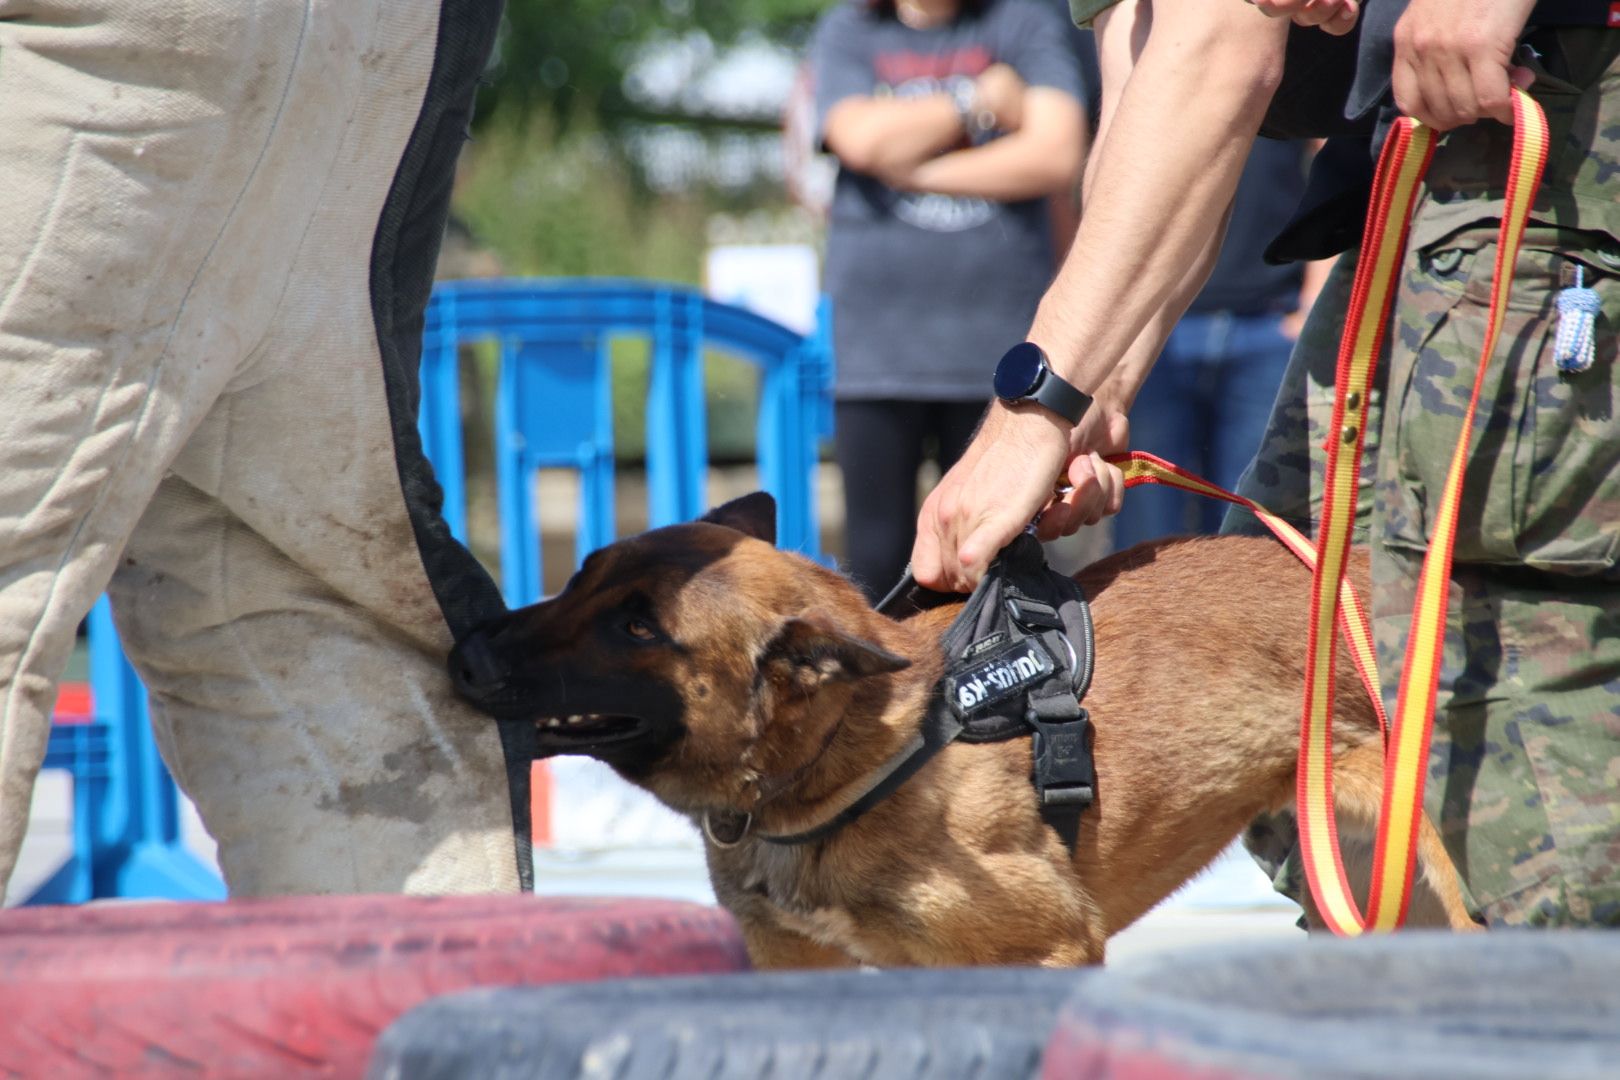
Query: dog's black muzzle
[(486, 678), (623, 719)]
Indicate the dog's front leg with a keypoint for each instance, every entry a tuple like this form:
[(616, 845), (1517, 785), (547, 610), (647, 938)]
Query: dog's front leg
[(774, 948), (1040, 922), (1076, 954)]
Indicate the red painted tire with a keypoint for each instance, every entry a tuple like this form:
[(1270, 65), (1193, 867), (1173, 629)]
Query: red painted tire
[(1407, 1006), (303, 985)]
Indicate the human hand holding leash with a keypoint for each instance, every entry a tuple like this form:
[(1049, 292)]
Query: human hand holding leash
[(1094, 489), (1454, 60)]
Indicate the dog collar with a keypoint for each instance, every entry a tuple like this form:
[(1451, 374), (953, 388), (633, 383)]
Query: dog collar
[(1018, 661)]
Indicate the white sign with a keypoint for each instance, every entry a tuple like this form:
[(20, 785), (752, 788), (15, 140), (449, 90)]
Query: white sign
[(779, 281)]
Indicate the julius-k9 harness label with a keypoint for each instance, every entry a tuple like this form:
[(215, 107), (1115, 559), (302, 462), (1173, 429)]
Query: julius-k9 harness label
[(999, 675)]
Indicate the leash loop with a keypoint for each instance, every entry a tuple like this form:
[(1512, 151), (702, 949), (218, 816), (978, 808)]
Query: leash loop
[(1334, 605), (1401, 167)]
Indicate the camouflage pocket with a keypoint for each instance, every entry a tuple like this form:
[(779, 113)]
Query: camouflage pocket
[(1542, 486)]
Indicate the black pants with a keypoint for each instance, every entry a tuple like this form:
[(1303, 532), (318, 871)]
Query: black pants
[(880, 446)]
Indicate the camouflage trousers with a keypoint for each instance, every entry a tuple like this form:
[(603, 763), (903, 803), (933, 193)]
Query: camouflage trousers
[(1524, 770)]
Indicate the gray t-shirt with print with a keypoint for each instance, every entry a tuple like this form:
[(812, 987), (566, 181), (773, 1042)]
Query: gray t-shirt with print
[(929, 290)]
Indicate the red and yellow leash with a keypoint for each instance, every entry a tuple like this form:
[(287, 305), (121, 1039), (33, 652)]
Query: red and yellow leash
[(1401, 166), (1142, 468)]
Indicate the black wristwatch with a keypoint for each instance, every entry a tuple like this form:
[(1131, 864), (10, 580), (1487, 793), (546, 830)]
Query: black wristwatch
[(1025, 374)]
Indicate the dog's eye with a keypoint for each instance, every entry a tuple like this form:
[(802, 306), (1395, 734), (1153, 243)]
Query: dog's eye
[(640, 629)]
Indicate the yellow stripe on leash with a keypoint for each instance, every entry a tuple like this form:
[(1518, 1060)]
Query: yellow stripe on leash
[(1407, 766)]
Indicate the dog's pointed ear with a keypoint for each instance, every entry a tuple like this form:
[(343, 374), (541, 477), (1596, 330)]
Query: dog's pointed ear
[(752, 515), (814, 645)]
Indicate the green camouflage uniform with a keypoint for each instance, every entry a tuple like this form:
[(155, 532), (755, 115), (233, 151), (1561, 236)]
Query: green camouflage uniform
[(1524, 771), (1085, 12)]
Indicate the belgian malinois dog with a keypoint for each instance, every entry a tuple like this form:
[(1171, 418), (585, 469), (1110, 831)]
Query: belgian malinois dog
[(727, 677)]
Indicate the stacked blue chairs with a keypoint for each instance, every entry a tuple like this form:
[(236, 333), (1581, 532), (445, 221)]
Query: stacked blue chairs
[(553, 405), (126, 808)]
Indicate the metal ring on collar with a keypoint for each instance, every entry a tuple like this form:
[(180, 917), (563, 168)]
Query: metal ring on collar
[(730, 830)]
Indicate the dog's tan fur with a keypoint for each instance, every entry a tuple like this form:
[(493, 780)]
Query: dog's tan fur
[(794, 691)]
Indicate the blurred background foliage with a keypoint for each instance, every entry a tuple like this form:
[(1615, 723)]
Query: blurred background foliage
[(549, 203), (610, 132), (571, 59)]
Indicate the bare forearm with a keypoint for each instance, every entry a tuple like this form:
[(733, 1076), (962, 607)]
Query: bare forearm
[(884, 137), (1120, 388), (1007, 170), (1063, 211), (1042, 157), (1171, 156), (1169, 162)]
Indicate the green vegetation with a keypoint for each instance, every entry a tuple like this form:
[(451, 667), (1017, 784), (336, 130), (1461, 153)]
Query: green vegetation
[(554, 205), (567, 59)]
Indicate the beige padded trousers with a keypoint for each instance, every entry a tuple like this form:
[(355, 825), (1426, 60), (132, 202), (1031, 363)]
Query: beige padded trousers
[(218, 221)]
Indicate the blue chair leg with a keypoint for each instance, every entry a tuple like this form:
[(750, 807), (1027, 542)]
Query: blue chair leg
[(74, 881), (439, 423), (155, 860), (770, 449), (126, 809), (514, 480), (597, 527)]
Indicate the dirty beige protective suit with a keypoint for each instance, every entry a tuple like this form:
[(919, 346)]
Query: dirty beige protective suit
[(219, 225)]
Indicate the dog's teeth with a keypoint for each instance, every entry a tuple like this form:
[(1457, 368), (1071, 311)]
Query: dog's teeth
[(554, 722)]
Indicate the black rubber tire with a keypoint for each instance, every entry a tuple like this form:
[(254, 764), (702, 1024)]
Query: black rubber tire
[(892, 1025), (303, 985), (1409, 1006)]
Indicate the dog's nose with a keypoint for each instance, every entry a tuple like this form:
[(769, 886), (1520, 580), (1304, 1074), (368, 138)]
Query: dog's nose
[(476, 668)]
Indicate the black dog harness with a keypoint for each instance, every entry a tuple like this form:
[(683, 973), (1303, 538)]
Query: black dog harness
[(1017, 663)]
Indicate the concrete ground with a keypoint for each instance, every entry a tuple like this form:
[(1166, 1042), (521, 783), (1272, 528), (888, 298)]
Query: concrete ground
[(1231, 901)]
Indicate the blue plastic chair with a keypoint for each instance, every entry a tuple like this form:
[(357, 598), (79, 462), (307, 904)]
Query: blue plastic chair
[(126, 808), (553, 404)]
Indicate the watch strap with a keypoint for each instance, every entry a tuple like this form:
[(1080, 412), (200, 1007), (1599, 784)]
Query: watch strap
[(1061, 396), (975, 120)]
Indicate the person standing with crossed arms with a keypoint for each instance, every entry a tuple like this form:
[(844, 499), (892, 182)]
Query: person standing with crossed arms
[(955, 123)]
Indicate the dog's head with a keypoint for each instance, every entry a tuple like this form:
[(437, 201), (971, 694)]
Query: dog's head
[(697, 659)]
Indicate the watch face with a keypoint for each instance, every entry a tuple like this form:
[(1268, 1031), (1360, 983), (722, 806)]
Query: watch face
[(1019, 371)]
